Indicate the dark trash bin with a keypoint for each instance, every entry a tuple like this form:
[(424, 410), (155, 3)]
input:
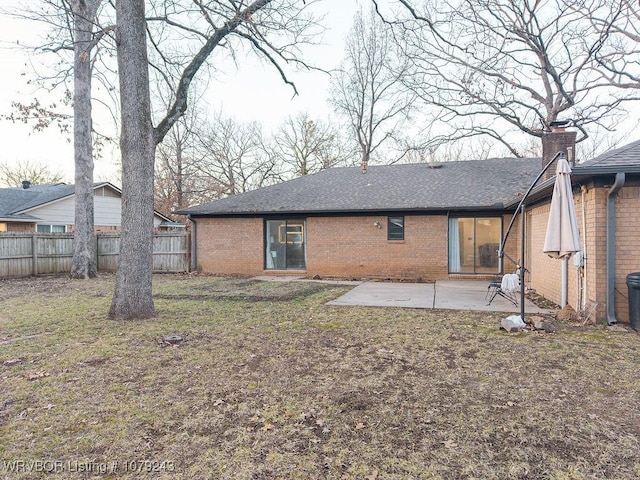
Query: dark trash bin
[(633, 285)]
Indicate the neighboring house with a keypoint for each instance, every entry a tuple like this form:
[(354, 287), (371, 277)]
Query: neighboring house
[(51, 209), (433, 221)]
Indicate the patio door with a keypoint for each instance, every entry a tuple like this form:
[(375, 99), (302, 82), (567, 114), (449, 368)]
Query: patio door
[(473, 244), (285, 244)]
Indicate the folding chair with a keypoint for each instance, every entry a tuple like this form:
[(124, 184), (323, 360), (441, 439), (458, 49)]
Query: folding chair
[(506, 286)]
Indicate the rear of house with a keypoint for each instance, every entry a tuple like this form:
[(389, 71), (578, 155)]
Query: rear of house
[(430, 222), (413, 222)]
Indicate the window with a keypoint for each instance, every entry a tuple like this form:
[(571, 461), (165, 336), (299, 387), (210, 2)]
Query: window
[(41, 228), (285, 244), (395, 228), (3, 227), (473, 244)]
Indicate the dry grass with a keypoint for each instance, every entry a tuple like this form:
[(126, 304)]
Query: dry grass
[(270, 382)]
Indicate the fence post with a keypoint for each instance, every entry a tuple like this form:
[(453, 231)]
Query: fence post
[(34, 253)]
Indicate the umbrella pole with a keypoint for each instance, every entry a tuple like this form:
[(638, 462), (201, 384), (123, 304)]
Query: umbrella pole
[(522, 255), (524, 198)]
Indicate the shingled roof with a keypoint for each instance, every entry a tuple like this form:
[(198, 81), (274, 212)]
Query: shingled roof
[(626, 157), (15, 201), (468, 185)]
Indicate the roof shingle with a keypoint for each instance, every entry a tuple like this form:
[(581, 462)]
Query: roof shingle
[(486, 184), (625, 156)]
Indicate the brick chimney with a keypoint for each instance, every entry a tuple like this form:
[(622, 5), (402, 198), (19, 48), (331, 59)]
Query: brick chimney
[(557, 140)]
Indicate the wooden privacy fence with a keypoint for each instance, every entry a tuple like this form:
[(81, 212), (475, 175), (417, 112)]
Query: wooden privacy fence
[(24, 254)]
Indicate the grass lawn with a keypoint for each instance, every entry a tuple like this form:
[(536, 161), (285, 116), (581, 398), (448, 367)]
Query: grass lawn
[(269, 382)]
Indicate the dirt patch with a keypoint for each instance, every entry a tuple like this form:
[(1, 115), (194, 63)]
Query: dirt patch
[(247, 290), (49, 286)]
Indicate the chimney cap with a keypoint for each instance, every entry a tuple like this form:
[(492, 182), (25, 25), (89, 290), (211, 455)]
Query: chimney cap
[(26, 184), (559, 125)]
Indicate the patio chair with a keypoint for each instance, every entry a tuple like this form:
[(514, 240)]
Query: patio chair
[(507, 286)]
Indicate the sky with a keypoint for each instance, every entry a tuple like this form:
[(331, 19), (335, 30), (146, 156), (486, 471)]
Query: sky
[(254, 93)]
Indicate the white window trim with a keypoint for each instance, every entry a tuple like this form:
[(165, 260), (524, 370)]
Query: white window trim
[(50, 228)]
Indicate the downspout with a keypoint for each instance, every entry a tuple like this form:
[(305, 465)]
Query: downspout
[(583, 306), (194, 245), (611, 247), (565, 282)]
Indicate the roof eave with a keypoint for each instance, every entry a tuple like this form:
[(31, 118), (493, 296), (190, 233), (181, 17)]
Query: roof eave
[(334, 212), (18, 220), (578, 173), (605, 170)]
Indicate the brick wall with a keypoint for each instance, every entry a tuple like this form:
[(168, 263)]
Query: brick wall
[(627, 245), (230, 245), (21, 227), (355, 247), (338, 247), (546, 272)]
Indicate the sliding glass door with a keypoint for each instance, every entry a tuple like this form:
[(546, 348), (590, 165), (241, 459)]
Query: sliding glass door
[(285, 244), (473, 244)]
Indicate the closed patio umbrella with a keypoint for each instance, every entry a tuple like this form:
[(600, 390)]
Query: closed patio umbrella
[(562, 238)]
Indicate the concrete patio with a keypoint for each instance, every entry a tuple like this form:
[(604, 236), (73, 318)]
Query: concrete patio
[(445, 294)]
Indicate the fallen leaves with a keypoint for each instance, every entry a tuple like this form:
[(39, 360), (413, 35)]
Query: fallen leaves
[(450, 444), (12, 361), (31, 376), (266, 427)]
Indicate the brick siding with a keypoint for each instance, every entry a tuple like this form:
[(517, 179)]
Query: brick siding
[(230, 245), (21, 227), (546, 272), (337, 247), (355, 247)]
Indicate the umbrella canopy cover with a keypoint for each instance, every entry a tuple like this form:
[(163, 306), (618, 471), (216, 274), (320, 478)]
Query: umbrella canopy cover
[(562, 238)]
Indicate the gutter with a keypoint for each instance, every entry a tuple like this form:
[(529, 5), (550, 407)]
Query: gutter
[(578, 173), (611, 247), (603, 170), (487, 209), (194, 244)]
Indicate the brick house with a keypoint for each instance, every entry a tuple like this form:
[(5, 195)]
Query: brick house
[(434, 221), (412, 222), (50, 208)]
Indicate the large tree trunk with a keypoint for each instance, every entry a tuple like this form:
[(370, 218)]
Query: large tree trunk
[(84, 245), (132, 298)]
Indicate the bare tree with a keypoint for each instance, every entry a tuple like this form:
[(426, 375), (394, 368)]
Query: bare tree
[(84, 263), (178, 182), (307, 146), (368, 88), (488, 65), (273, 29), (12, 175), (74, 29), (232, 158), (619, 58), (132, 297)]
